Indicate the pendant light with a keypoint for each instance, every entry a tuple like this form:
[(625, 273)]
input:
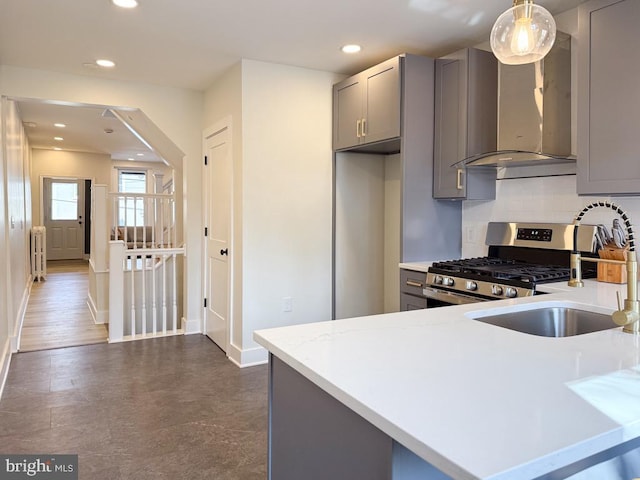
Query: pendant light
[(523, 34)]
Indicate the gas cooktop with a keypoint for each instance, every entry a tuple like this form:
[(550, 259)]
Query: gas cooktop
[(521, 256)]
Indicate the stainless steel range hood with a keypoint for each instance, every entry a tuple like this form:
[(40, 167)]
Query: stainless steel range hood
[(534, 112)]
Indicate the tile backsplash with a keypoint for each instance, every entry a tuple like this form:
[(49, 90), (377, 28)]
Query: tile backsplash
[(536, 199)]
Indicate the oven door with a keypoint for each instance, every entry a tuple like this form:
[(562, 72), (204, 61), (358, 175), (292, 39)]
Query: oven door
[(437, 297)]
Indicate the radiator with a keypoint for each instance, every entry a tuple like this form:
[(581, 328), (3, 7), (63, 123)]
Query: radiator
[(38, 253)]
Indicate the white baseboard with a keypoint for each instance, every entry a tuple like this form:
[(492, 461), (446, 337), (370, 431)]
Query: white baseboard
[(191, 326), (17, 331), (248, 357), (99, 316), (5, 360)]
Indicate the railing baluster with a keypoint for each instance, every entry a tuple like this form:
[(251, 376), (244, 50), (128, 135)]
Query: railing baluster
[(132, 320), (175, 297), (161, 221), (173, 216), (154, 309), (164, 294), (144, 295)]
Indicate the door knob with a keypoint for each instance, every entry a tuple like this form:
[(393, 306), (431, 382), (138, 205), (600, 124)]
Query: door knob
[(224, 252)]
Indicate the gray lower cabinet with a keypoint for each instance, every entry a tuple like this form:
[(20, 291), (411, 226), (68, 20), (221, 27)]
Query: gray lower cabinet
[(312, 436), (411, 285), (465, 123), (366, 106), (608, 98)]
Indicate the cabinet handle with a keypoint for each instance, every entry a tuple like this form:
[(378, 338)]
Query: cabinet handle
[(358, 123), (459, 184), (364, 127), (411, 283)]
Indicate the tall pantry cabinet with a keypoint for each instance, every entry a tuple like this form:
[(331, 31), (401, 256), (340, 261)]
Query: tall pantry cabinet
[(384, 211)]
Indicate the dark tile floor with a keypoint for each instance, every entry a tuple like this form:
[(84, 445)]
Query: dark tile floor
[(167, 408)]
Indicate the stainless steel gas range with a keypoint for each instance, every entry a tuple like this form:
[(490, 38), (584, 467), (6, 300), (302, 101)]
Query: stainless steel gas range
[(521, 257)]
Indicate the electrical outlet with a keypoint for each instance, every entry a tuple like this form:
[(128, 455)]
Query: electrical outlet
[(287, 304), (471, 234)]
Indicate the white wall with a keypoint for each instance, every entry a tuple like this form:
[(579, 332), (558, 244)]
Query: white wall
[(282, 194), (177, 112), (287, 195), (16, 226), (5, 348)]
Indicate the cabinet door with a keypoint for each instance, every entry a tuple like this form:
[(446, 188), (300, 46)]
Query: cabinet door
[(382, 102), (450, 128), (411, 302), (608, 99), (347, 112), (465, 123)]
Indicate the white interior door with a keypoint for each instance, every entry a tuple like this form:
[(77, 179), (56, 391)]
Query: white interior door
[(63, 203), (218, 220)]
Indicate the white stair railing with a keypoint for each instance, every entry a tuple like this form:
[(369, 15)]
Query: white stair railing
[(144, 298), (145, 267), (144, 220)]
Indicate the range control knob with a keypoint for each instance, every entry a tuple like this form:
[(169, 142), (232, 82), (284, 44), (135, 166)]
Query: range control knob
[(496, 289), (511, 292), (472, 286), (438, 280), (448, 282)]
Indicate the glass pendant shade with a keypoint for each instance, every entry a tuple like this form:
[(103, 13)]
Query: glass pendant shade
[(523, 34)]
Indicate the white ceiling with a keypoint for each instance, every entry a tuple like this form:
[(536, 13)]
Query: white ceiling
[(89, 128), (189, 43)]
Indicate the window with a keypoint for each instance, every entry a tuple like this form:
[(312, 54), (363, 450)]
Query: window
[(64, 201), (130, 210)]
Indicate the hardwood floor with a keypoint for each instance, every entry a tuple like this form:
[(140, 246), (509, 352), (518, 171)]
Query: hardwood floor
[(57, 313)]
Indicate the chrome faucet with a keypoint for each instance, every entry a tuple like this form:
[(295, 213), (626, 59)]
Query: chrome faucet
[(629, 315)]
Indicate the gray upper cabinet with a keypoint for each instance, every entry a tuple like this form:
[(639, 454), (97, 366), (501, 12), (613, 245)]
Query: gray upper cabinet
[(608, 99), (465, 123), (366, 107)]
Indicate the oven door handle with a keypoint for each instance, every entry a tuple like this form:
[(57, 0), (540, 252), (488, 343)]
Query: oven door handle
[(453, 298)]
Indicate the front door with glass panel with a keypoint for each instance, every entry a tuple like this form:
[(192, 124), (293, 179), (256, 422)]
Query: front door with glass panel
[(63, 206)]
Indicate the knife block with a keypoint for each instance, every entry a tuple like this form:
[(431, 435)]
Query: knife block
[(612, 272)]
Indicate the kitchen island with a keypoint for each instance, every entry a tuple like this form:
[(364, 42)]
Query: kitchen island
[(436, 394)]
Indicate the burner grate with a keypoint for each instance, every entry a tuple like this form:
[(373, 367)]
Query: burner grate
[(503, 269)]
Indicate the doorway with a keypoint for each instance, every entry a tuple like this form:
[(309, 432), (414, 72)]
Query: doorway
[(218, 187), (64, 212)]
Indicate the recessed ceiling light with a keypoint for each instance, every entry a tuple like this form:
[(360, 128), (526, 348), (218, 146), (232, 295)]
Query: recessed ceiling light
[(140, 154), (130, 159), (125, 3), (352, 48), (59, 125), (105, 63), (58, 139), (57, 149)]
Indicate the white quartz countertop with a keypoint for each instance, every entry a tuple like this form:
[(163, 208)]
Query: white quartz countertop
[(416, 266), (475, 400)]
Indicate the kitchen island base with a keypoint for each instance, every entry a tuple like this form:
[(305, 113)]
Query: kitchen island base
[(314, 436)]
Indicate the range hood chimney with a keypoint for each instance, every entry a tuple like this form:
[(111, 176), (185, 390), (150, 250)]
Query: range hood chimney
[(534, 112)]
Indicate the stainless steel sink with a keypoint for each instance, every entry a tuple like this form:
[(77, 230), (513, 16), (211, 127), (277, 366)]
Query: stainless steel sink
[(551, 321)]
